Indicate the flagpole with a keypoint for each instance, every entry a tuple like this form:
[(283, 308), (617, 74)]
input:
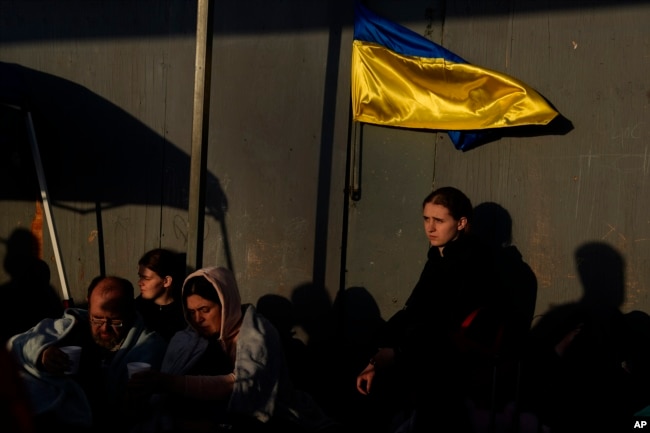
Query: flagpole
[(355, 163)]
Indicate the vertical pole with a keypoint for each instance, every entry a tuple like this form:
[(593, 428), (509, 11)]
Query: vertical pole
[(355, 156), (196, 211)]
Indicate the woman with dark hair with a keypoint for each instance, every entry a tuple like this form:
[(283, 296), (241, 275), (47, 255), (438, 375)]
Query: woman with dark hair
[(419, 349), (226, 370), (160, 276)]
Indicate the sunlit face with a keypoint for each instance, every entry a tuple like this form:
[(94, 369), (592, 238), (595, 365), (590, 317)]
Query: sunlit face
[(204, 315), (152, 286), (439, 226), (105, 317)]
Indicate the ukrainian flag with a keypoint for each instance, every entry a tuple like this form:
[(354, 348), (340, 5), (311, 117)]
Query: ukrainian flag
[(402, 79)]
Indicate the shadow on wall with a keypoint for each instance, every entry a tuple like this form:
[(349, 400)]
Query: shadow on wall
[(637, 363), (341, 336), (339, 339), (94, 154), (577, 350), (29, 290), (281, 313), (493, 223), (310, 361)]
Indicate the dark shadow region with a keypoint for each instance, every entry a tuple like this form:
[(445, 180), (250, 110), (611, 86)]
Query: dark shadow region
[(64, 20), (95, 156)]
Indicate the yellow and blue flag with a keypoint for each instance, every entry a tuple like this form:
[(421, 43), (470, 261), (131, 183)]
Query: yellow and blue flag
[(400, 78)]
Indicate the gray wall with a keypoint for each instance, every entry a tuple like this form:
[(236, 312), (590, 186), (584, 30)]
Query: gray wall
[(590, 184), (110, 85)]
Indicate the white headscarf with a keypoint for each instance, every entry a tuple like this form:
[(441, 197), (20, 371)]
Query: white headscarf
[(224, 283)]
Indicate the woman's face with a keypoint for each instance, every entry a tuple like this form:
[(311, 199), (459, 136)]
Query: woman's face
[(439, 226), (152, 286), (204, 315)]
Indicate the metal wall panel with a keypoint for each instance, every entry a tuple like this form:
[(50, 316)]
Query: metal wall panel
[(589, 184), (111, 102), (111, 85)]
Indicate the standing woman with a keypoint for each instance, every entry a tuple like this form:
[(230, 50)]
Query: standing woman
[(160, 275), (419, 347)]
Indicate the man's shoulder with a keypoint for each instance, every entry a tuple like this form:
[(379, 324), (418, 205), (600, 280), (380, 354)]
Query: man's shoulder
[(151, 336), (142, 335), (148, 343), (75, 312)]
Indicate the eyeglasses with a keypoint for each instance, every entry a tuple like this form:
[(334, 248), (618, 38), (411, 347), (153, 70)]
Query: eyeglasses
[(110, 322)]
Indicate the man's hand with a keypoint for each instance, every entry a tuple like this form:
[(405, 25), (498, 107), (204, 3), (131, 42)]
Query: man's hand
[(383, 358), (365, 378)]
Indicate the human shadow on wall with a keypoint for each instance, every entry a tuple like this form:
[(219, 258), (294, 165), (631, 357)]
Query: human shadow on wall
[(340, 338), (493, 223), (281, 313), (310, 357), (317, 319), (28, 291), (637, 362), (95, 155), (361, 323), (575, 351)]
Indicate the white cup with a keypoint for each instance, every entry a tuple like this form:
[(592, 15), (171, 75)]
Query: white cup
[(74, 353), (136, 367)]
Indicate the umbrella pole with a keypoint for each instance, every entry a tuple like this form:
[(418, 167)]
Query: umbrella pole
[(67, 301)]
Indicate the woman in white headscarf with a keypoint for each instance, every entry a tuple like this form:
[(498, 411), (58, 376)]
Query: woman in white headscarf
[(225, 369)]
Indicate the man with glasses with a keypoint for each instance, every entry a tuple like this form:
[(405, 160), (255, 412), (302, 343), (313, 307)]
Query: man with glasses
[(111, 334)]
